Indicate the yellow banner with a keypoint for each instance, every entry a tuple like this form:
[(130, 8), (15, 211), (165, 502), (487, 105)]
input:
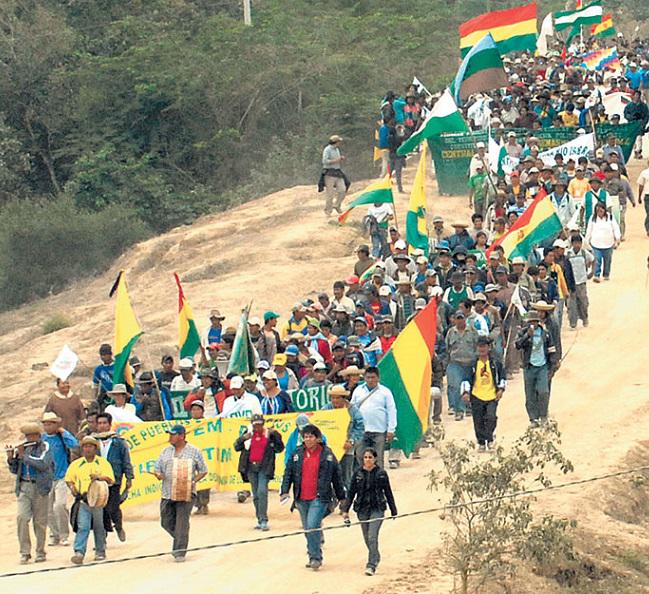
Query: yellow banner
[(216, 437)]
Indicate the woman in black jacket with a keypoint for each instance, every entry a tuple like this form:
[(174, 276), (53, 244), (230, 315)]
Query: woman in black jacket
[(371, 494)]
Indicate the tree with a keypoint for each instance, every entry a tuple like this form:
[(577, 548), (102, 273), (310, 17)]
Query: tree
[(490, 527)]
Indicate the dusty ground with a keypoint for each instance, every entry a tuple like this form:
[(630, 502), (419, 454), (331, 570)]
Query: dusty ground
[(599, 399)]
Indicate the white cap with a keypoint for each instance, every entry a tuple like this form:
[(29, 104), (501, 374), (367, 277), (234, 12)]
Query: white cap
[(186, 363), (400, 244), (236, 382), (613, 166), (436, 291), (319, 366), (559, 243), (254, 321), (270, 374), (384, 291), (480, 145)]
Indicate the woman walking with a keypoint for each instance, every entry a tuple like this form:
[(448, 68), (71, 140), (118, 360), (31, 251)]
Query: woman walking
[(603, 235), (371, 494)]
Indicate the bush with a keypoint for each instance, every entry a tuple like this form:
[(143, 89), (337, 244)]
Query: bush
[(56, 322), (44, 245)]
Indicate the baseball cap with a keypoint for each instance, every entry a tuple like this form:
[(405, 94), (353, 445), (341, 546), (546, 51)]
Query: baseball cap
[(176, 430), (236, 382), (256, 419), (302, 421), (292, 350), (270, 315), (269, 375), (319, 366)]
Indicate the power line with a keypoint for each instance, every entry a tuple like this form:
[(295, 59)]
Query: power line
[(524, 493)]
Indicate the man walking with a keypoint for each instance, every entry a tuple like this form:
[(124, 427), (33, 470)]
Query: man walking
[(461, 342), (174, 515), (257, 464), (334, 178), (60, 442), (643, 194), (581, 261), (315, 475), (115, 450), (539, 360), (376, 405), (483, 391), (80, 474), (33, 466)]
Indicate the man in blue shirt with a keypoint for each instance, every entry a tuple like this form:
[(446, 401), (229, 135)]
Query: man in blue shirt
[(102, 378), (60, 442), (634, 76), (386, 129), (215, 330), (539, 358)]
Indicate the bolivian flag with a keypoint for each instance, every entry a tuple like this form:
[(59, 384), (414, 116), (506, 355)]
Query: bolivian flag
[(406, 369), (127, 331), (539, 222), (514, 29), (379, 191), (189, 340), (416, 227), (605, 28)]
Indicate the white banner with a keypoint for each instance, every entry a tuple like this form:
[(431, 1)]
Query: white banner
[(64, 363), (579, 147)]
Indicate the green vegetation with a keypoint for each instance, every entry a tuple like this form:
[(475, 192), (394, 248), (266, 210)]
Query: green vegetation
[(166, 109), (56, 322)]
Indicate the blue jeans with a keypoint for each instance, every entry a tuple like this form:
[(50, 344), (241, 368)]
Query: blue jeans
[(90, 518), (455, 375), (311, 514), (380, 247), (371, 535), (537, 391), (259, 483), (603, 257)]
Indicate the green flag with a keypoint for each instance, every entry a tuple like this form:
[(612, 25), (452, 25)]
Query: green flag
[(242, 358)]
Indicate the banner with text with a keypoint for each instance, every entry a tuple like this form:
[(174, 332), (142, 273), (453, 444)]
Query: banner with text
[(452, 152), (306, 399), (215, 438)]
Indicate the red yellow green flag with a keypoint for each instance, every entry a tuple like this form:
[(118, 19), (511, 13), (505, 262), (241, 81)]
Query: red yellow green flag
[(189, 340), (539, 222), (406, 369)]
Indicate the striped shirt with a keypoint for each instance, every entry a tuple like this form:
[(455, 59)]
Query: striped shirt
[(165, 461)]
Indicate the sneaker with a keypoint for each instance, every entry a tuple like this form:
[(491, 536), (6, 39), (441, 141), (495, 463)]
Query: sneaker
[(121, 534), (64, 542), (258, 526), (53, 541), (264, 527), (370, 571), (308, 565), (451, 412), (596, 279), (459, 416), (179, 559), (393, 464), (40, 558), (315, 565), (24, 559), (100, 556), (77, 558)]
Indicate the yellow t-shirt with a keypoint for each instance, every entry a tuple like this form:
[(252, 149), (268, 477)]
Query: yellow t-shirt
[(483, 383), (569, 119), (80, 470), (292, 326), (577, 188)]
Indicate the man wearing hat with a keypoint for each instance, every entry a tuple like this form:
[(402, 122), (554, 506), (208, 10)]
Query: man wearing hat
[(460, 237), (364, 261), (370, 344), (80, 474), (259, 446), (296, 323), (461, 342), (340, 398), (563, 202), (317, 380), (174, 515), (241, 404), (148, 404), (60, 442), (479, 159), (316, 341), (122, 411), (391, 263), (539, 360), (437, 233), (457, 292), (214, 332), (210, 392), (269, 342), (478, 189), (405, 303), (482, 391), (33, 466), (187, 380), (102, 377), (335, 181)]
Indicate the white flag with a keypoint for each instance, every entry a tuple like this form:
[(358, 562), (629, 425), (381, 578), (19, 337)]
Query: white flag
[(64, 363), (419, 86), (547, 30), (517, 302)]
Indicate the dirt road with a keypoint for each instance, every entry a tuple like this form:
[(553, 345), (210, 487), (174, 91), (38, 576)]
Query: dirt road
[(599, 399)]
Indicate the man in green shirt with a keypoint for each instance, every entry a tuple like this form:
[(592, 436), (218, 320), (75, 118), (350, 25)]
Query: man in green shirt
[(477, 187)]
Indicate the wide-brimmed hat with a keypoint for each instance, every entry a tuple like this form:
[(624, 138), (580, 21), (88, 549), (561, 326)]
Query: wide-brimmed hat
[(351, 370), (338, 390), (29, 428), (215, 314), (89, 440), (50, 417), (118, 389), (542, 305)]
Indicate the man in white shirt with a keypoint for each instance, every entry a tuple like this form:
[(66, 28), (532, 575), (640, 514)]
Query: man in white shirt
[(241, 404), (480, 159), (187, 379), (376, 404), (382, 213), (643, 193)]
